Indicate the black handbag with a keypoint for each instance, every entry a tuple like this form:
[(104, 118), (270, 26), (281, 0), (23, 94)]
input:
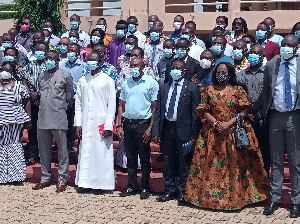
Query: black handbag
[(240, 133)]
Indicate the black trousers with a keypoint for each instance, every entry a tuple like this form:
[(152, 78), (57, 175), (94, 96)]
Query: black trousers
[(134, 146), (32, 134), (171, 147)]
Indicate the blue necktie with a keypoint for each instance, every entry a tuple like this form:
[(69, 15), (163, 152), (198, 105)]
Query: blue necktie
[(170, 112), (287, 83), (153, 56)]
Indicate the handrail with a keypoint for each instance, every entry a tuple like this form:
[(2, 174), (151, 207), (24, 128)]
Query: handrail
[(83, 9), (8, 12), (193, 4), (89, 1), (7, 5)]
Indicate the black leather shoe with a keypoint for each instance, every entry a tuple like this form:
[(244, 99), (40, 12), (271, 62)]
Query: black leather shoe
[(295, 212), (166, 197), (181, 201), (270, 208), (144, 194), (97, 192), (81, 190), (128, 192)]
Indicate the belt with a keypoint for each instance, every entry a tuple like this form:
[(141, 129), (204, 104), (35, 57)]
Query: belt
[(137, 121)]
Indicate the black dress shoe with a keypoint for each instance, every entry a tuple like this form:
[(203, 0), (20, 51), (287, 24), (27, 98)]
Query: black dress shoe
[(144, 194), (128, 192), (97, 191), (295, 212), (180, 199), (166, 197), (81, 190), (270, 208)]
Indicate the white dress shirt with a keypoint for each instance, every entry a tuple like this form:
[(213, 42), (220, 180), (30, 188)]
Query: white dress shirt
[(141, 37)]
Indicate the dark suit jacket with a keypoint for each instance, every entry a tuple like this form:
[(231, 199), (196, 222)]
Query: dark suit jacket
[(265, 99), (188, 123), (272, 49)]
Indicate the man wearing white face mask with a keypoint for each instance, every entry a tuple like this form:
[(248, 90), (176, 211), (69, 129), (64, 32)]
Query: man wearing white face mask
[(239, 55), (133, 23), (176, 123), (101, 24), (178, 24)]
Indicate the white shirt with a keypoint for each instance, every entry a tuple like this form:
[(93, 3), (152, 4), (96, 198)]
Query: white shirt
[(279, 94), (141, 37), (179, 87), (84, 38), (195, 51)]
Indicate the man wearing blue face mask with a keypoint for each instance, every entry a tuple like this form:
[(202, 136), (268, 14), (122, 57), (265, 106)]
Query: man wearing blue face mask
[(151, 21), (62, 49), (84, 38), (133, 23), (48, 25), (175, 123), (137, 106), (177, 24), (38, 36), (279, 103), (56, 96), (239, 55), (218, 47), (195, 50)]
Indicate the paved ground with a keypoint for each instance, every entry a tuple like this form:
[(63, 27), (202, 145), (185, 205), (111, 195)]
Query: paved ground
[(20, 204)]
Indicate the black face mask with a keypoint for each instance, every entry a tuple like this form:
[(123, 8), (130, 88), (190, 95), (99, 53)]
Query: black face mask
[(221, 78)]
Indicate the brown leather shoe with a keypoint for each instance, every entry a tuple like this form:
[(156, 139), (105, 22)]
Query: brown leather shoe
[(41, 185), (61, 186)]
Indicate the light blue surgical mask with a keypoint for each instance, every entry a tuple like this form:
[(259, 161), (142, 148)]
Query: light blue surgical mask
[(260, 34), (71, 56), (50, 64), (120, 33), (181, 53), (128, 48), (6, 45), (9, 58), (297, 34), (95, 39), (62, 48), (135, 72), (48, 28), (176, 74), (185, 36), (131, 28), (154, 36), (92, 65), (73, 40), (40, 55), (237, 54), (212, 39), (286, 52), (74, 25), (177, 25), (150, 24), (46, 40), (168, 52), (253, 59), (220, 25), (102, 27), (217, 49)]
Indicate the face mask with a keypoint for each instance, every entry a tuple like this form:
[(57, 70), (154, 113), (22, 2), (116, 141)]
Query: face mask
[(181, 53), (74, 25), (175, 74), (6, 45), (73, 40), (286, 52), (46, 39), (5, 75), (260, 34), (92, 65), (212, 39), (185, 37), (24, 27), (50, 64), (120, 33), (128, 48), (220, 25), (131, 28), (237, 54), (150, 24), (154, 36), (297, 34), (102, 27), (131, 58), (49, 29), (177, 25), (253, 59), (221, 78), (249, 47), (217, 49), (62, 48), (135, 72), (168, 52), (71, 56), (95, 39), (205, 63), (40, 55), (9, 58)]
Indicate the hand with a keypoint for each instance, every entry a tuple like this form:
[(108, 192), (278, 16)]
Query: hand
[(106, 134), (147, 136), (251, 117), (193, 143), (34, 96), (223, 126), (120, 133), (79, 132), (156, 140)]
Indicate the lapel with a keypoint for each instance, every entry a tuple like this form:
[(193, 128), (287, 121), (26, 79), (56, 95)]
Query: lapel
[(183, 91), (188, 63), (274, 71), (165, 96)]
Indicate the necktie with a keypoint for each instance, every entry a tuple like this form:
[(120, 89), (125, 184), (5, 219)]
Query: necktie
[(287, 83), (172, 102), (153, 56)]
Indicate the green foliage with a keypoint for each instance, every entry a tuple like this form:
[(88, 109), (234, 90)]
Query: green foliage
[(7, 16), (39, 11)]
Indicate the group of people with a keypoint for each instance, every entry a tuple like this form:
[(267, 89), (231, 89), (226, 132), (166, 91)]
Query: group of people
[(192, 97)]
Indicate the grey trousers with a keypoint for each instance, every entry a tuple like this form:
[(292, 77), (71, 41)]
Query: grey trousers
[(45, 148), (285, 136)]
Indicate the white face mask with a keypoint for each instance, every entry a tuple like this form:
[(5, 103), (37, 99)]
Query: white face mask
[(102, 27), (5, 75), (205, 64)]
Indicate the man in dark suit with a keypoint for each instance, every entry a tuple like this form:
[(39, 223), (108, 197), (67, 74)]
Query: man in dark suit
[(175, 123), (280, 102)]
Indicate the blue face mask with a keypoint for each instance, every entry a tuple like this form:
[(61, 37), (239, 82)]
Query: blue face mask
[(40, 55), (73, 40), (217, 49), (168, 52), (74, 25), (260, 34), (297, 34), (135, 72), (62, 48), (150, 24), (120, 33), (6, 45), (9, 58), (72, 56), (286, 52), (154, 36), (92, 65), (237, 54), (175, 74), (50, 64), (95, 39), (181, 53), (46, 40), (49, 29), (185, 36), (253, 59), (131, 28), (128, 48), (212, 39)]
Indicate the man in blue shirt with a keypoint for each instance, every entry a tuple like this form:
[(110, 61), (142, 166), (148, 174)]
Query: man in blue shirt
[(218, 47), (137, 105), (178, 24)]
